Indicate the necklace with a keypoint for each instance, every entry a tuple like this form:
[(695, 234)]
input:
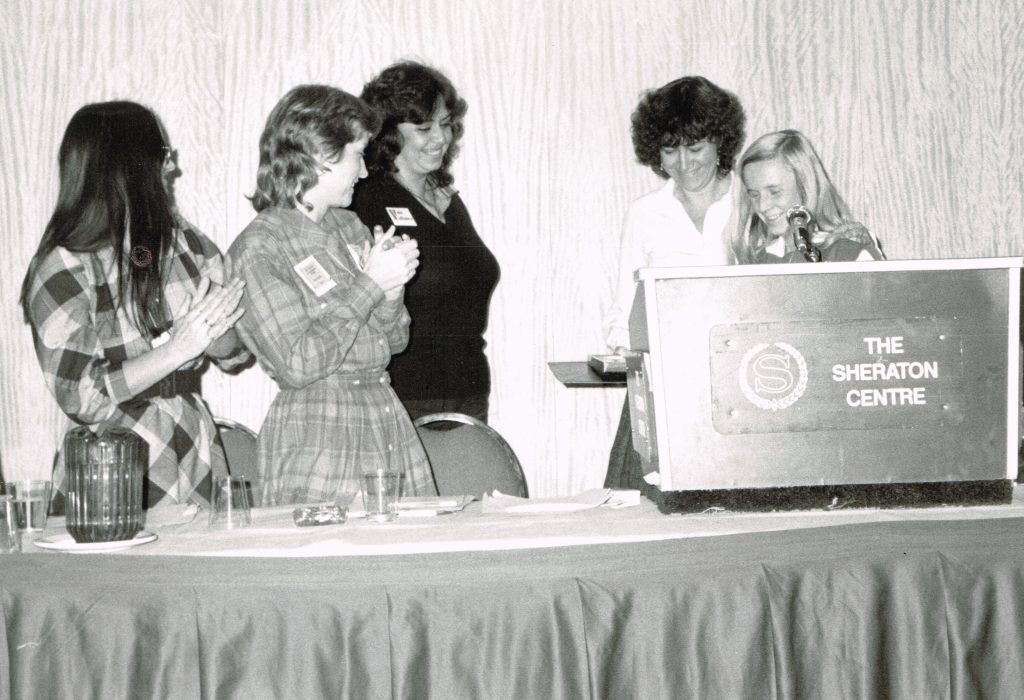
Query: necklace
[(698, 203), (431, 204)]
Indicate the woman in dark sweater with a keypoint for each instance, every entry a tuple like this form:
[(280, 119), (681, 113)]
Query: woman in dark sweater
[(444, 367)]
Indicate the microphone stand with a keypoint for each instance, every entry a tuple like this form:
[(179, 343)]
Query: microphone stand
[(799, 220)]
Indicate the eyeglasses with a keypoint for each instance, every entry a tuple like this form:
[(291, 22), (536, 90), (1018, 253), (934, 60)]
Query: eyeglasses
[(170, 156)]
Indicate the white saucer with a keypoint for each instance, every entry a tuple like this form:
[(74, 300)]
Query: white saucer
[(66, 543)]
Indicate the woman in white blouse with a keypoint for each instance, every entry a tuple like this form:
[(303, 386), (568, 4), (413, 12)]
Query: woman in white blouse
[(689, 133)]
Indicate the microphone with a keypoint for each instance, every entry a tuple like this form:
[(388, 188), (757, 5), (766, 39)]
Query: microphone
[(799, 220)]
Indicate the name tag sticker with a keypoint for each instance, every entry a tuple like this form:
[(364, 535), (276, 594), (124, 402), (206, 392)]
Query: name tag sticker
[(315, 276), (400, 216)]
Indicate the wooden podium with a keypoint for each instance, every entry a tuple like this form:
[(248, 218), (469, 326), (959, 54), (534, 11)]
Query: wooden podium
[(837, 384)]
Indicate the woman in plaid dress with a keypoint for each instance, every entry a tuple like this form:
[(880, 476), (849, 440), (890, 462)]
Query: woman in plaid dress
[(324, 307), (126, 300)]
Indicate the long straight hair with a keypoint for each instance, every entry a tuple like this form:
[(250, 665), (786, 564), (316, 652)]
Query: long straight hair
[(112, 195), (792, 149)]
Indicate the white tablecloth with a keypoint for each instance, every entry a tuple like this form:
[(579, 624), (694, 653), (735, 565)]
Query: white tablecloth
[(184, 530)]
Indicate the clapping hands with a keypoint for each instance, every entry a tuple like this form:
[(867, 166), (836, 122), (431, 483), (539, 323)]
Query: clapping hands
[(212, 310), (392, 261)]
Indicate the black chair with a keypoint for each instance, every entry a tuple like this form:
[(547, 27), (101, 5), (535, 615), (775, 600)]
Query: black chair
[(468, 457), (240, 452)]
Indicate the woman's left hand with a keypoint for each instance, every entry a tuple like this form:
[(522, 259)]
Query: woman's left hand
[(392, 262), (211, 312), (851, 231)]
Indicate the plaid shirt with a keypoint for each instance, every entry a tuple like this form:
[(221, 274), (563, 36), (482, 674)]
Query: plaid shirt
[(83, 335), (322, 329)]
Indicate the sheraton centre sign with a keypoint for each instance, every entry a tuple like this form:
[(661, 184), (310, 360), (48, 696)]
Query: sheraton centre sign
[(785, 376), (902, 370)]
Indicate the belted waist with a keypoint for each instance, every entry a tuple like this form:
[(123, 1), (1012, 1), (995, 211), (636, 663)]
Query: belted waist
[(367, 378), (177, 383)]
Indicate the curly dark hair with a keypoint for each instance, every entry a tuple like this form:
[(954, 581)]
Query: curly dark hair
[(407, 92), (685, 111)]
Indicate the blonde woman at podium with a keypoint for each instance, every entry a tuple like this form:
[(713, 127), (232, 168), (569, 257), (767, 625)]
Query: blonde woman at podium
[(688, 132), (791, 211)]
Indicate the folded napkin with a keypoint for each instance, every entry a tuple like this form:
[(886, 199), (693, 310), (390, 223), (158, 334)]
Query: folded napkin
[(501, 503), (433, 502)]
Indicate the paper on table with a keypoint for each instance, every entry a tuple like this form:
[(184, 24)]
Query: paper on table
[(623, 498), (502, 503), (433, 502), (423, 506)]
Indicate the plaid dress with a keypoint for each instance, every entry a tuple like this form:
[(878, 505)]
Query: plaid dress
[(323, 330), (83, 335)]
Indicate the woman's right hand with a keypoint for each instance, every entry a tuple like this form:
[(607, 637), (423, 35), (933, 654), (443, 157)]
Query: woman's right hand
[(211, 312), (392, 261), (852, 231)]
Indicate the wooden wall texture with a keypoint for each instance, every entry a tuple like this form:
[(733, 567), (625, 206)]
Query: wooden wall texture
[(916, 107)]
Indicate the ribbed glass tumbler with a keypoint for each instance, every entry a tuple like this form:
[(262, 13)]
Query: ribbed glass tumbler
[(105, 475)]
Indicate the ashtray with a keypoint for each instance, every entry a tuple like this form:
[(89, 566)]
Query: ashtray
[(322, 514)]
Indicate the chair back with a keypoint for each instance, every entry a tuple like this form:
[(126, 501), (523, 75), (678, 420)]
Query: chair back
[(469, 457), (239, 447)]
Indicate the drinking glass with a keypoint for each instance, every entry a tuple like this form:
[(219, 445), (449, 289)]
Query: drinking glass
[(9, 540), (229, 504), (380, 494), (31, 500)]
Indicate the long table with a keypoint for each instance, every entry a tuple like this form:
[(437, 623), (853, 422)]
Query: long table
[(603, 603)]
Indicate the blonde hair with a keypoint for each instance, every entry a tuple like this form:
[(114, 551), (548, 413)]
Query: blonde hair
[(817, 193)]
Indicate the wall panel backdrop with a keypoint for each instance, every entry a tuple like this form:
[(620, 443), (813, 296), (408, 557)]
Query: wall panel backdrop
[(916, 108)]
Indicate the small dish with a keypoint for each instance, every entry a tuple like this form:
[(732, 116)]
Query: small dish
[(66, 543), (319, 514)]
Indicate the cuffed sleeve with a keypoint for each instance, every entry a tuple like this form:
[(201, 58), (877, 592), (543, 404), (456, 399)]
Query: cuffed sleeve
[(630, 260), (394, 319)]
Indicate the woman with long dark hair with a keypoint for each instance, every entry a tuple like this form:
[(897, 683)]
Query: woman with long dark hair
[(126, 300)]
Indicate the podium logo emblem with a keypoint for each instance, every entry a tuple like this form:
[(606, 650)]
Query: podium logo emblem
[(773, 376)]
